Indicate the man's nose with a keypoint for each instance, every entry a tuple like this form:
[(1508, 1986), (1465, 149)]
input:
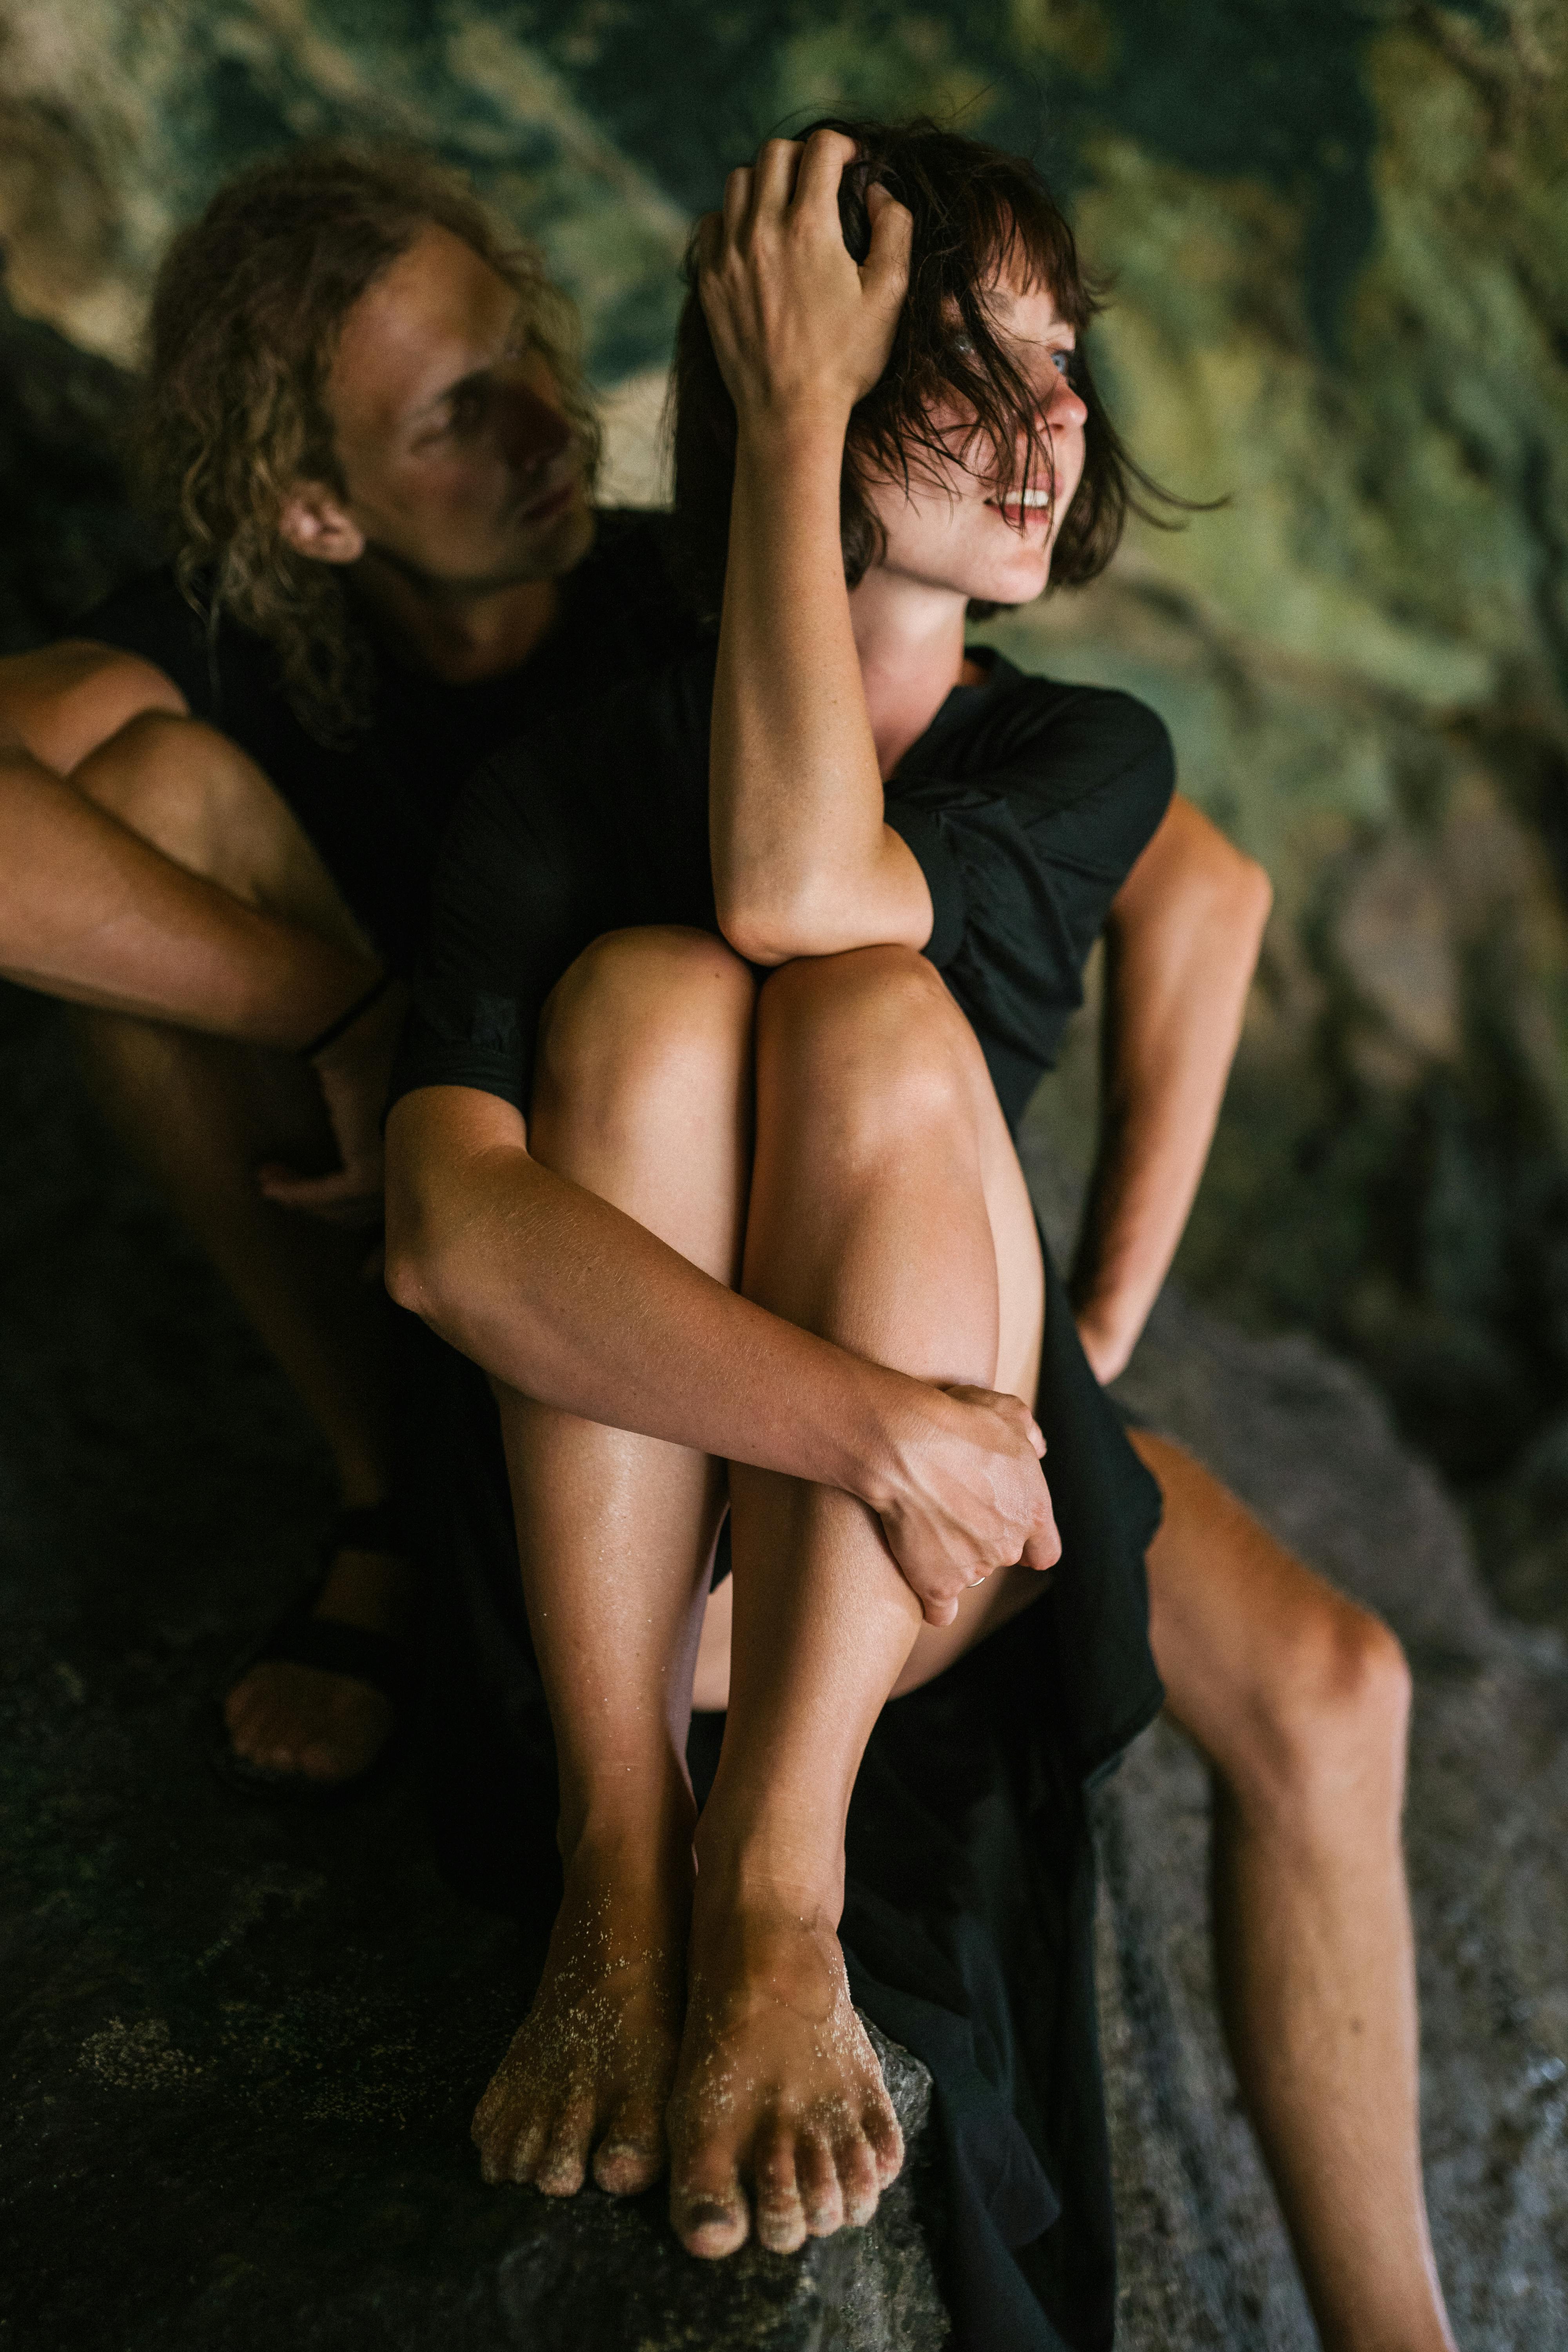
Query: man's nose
[(530, 431)]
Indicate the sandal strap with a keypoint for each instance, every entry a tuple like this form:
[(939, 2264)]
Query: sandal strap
[(358, 1651)]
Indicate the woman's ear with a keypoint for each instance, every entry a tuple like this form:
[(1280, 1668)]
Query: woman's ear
[(315, 524)]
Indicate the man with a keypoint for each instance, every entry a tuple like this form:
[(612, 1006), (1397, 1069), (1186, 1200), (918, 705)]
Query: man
[(379, 465)]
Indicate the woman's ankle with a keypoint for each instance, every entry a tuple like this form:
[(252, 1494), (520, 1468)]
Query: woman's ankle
[(629, 1829), (764, 1867)]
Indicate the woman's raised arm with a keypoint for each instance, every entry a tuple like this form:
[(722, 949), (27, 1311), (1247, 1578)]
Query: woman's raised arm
[(803, 861)]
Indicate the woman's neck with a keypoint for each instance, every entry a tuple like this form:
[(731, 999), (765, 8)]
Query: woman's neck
[(909, 637)]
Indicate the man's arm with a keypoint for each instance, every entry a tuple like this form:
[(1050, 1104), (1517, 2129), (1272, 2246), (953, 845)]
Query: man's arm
[(557, 1294), (1181, 942), (91, 912)]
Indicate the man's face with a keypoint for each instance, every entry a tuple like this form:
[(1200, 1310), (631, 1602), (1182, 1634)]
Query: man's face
[(459, 465)]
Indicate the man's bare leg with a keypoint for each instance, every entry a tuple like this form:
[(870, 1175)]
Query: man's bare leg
[(202, 1115), (643, 1095), (1300, 1701), (872, 1221)]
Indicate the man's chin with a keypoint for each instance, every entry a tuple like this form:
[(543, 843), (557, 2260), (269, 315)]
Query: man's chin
[(536, 556)]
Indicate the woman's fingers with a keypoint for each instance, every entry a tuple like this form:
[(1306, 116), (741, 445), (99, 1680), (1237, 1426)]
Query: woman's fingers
[(824, 160), (884, 271), (776, 173), (737, 206)]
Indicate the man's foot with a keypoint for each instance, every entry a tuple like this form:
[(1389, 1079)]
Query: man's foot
[(290, 1718), (779, 2092), (588, 2075)]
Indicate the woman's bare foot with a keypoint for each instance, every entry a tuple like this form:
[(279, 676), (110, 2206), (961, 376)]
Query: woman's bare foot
[(779, 2092), (589, 2071), (286, 1718)]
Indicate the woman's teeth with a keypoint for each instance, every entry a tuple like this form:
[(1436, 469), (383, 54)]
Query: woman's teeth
[(1028, 502)]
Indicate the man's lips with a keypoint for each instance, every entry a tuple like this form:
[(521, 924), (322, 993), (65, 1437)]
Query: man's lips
[(554, 502)]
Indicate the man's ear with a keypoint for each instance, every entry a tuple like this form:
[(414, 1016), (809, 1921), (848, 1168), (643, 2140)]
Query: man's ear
[(315, 524)]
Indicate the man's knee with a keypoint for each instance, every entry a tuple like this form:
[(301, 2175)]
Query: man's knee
[(641, 1012), (869, 1042), (185, 788), (1332, 1718)]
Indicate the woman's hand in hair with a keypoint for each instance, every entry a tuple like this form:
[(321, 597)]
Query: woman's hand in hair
[(797, 324)]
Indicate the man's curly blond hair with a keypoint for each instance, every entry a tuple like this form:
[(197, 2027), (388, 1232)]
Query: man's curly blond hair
[(247, 313)]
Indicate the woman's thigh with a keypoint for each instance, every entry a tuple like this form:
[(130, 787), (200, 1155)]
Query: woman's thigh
[(1019, 1276)]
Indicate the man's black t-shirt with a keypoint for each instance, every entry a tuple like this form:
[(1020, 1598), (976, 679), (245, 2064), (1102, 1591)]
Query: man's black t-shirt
[(376, 806), (1025, 803)]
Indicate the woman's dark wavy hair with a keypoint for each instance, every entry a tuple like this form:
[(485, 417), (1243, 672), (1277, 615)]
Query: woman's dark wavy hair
[(976, 210)]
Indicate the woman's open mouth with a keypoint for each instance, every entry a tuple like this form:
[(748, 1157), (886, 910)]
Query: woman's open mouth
[(1029, 507)]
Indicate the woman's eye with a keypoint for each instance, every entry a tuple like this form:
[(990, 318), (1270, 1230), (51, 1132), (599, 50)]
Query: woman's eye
[(963, 345), (1065, 361)]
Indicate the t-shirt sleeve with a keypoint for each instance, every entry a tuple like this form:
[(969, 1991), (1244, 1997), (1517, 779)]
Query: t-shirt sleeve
[(1025, 852), (505, 922)]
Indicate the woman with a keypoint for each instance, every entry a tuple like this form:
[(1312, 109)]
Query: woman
[(687, 1212)]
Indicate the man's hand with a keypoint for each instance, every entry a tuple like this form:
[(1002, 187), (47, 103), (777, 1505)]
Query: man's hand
[(354, 1073), (798, 325), (968, 1498)]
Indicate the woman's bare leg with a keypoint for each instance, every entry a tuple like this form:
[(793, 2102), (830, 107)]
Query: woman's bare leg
[(877, 1129), (643, 1096)]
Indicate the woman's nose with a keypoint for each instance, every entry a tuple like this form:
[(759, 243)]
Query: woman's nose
[(1062, 410)]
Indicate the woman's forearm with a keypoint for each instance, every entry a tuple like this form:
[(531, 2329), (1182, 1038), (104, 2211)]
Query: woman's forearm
[(91, 912), (1181, 947), (803, 861)]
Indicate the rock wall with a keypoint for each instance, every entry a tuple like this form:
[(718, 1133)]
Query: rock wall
[(1338, 238)]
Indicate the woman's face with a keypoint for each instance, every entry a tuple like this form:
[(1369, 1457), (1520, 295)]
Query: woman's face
[(952, 533)]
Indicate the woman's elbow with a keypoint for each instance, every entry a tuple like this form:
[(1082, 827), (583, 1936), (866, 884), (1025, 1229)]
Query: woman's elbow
[(765, 931), (409, 1266)]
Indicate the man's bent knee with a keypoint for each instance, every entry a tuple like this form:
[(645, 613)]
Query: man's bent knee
[(1334, 1717)]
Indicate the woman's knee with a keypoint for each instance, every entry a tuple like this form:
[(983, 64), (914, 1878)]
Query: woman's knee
[(643, 1016), (869, 1043)]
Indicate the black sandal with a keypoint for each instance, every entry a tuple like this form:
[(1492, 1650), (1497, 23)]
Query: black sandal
[(359, 1652)]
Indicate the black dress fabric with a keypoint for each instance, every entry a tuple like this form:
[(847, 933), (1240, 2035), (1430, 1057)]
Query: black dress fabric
[(969, 1918), (377, 805)]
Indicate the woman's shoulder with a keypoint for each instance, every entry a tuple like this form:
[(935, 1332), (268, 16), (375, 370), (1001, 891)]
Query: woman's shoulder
[(1070, 737)]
